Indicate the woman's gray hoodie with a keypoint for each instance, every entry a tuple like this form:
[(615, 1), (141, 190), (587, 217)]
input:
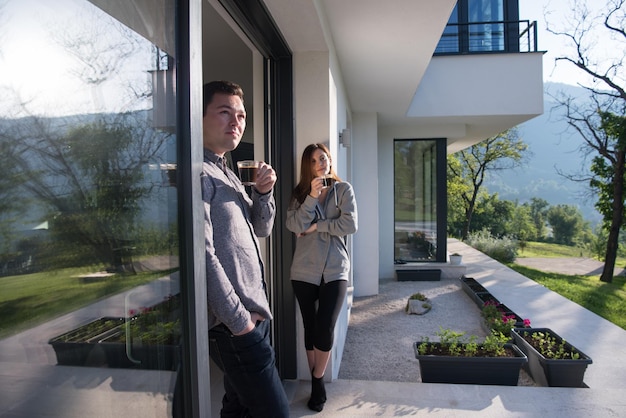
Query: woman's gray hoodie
[(323, 252)]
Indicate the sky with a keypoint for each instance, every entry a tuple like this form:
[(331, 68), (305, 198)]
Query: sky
[(557, 14), (37, 64), (37, 73)]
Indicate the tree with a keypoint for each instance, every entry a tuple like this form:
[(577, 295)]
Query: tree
[(538, 210), (12, 201), (91, 181), (88, 173), (522, 225), (566, 222), (600, 121), (503, 151), (493, 215), (456, 188)]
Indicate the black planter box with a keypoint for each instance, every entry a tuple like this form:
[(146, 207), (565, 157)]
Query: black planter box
[(406, 275), (138, 356), (472, 285), (552, 372), (487, 297), (474, 290), (471, 370), (80, 346)]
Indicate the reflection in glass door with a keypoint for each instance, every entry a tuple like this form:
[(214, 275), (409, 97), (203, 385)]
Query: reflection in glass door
[(89, 286), (415, 200)]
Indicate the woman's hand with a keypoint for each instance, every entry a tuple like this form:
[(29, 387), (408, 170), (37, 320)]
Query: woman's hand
[(317, 185), (312, 228)]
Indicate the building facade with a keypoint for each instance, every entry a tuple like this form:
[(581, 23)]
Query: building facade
[(101, 132)]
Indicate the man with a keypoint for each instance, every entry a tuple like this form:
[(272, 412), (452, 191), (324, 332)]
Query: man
[(239, 311)]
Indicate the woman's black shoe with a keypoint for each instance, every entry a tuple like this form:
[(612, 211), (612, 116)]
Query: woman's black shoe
[(318, 394)]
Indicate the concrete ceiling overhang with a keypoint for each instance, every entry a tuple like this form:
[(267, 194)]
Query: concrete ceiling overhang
[(383, 47)]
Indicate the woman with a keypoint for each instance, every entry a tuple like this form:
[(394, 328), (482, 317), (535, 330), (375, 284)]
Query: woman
[(321, 213)]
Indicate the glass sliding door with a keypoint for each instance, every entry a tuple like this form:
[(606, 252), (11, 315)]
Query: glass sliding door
[(415, 200), (89, 285)]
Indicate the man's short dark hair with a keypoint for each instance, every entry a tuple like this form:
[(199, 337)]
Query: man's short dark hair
[(222, 86)]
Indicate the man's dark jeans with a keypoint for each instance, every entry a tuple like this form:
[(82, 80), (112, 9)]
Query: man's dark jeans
[(251, 381)]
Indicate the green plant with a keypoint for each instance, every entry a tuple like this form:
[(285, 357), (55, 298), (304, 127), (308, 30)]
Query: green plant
[(494, 343), (159, 324), (455, 343), (418, 296), (91, 330), (423, 348), (503, 249), (497, 320), (550, 346)]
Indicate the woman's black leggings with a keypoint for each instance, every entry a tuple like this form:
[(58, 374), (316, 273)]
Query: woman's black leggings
[(319, 324)]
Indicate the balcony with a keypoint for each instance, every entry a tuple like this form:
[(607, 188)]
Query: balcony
[(488, 37)]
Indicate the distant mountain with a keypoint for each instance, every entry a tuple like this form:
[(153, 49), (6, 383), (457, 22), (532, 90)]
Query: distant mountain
[(554, 149)]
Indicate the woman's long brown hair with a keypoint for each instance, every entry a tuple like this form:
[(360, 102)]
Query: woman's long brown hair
[(306, 172)]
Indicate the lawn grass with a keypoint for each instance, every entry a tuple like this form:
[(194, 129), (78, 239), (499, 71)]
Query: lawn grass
[(547, 250), (608, 300), (544, 249), (605, 299), (31, 299)]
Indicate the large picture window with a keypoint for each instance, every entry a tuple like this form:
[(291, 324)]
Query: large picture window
[(89, 242), (415, 200)]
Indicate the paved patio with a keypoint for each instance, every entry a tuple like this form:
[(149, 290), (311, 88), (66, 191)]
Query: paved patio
[(31, 385), (600, 339)]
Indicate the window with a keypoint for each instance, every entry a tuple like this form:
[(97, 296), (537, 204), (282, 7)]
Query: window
[(479, 26), (415, 200), (88, 212)]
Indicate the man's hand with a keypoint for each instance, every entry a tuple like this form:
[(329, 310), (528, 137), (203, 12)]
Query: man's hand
[(254, 318), (265, 178)]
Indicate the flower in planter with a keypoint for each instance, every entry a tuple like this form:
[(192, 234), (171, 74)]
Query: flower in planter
[(498, 320)]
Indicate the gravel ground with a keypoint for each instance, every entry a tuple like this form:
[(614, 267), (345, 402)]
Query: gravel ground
[(379, 342)]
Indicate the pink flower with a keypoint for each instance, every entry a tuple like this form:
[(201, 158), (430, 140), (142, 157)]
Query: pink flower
[(526, 323), (132, 312)]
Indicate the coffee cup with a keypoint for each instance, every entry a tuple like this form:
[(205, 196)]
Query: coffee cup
[(327, 181), (248, 171)]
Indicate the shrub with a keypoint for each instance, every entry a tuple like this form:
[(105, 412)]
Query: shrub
[(502, 249)]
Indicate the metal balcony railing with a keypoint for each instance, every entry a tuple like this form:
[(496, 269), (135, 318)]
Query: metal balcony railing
[(488, 37)]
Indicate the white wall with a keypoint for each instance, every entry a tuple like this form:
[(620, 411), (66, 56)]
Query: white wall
[(320, 113), (367, 172), (480, 85)]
